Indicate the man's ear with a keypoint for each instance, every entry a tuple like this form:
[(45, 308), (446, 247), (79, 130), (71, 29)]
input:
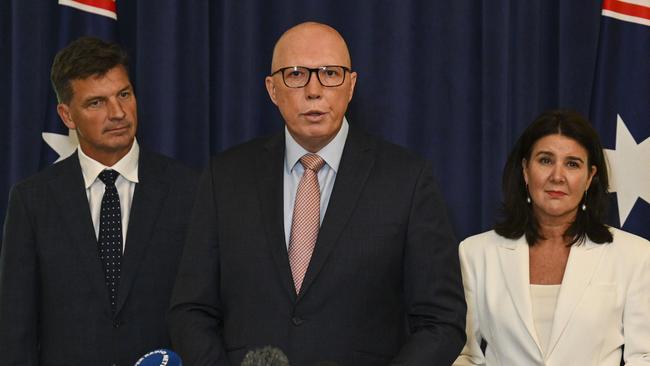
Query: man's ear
[(64, 113), (353, 82), (270, 88)]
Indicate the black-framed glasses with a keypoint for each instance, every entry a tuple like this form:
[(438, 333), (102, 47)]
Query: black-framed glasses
[(299, 76)]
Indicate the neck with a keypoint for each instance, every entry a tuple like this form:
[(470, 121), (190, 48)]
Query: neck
[(553, 229), (314, 146), (107, 158)]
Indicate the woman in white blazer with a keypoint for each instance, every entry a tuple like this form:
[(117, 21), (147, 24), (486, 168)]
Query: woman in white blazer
[(552, 285)]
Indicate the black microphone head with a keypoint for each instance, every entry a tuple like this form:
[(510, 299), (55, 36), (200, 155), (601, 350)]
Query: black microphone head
[(160, 357), (266, 356)]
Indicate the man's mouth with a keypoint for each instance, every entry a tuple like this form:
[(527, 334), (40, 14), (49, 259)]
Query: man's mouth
[(314, 115)]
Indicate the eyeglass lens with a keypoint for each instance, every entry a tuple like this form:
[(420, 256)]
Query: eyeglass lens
[(298, 76)]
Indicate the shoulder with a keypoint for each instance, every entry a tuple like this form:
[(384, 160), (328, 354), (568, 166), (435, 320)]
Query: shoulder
[(630, 247), (163, 167), (478, 254), (389, 161), (484, 239), (247, 151), (631, 240), (483, 244), (69, 165), (384, 149)]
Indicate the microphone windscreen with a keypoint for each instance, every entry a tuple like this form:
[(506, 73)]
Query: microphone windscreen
[(266, 356), (160, 357)]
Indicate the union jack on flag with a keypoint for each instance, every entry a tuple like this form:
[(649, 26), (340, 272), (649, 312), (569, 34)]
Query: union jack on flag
[(99, 7)]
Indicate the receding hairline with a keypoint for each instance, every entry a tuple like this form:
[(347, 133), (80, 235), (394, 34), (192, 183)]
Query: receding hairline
[(307, 26)]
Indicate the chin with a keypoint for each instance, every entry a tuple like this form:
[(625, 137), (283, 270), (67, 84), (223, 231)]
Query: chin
[(121, 143), (316, 132), (559, 212)]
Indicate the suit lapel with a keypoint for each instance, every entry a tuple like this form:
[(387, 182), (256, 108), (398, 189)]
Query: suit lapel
[(148, 199), (515, 265), (580, 268), (269, 178), (68, 190), (356, 162)]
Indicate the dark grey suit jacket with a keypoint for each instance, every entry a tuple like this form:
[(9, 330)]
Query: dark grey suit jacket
[(54, 305), (383, 285)]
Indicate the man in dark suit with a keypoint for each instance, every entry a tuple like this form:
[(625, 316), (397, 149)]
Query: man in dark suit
[(91, 245), (322, 241)]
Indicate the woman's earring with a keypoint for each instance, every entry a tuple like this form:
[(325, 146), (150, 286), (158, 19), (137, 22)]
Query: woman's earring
[(584, 202), (528, 200)]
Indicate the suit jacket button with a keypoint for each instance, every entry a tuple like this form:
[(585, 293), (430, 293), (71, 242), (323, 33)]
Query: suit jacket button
[(116, 324), (297, 321)]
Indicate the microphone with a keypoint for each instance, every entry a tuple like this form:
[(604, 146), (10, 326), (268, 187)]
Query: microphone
[(266, 356), (160, 357)]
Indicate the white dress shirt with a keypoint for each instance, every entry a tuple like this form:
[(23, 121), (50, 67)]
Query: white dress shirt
[(293, 170), (125, 184)]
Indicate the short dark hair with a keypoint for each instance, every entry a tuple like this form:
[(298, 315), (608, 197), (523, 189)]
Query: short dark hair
[(518, 217), (266, 356), (84, 57)]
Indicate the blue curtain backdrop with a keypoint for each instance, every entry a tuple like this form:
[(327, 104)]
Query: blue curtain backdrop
[(455, 80)]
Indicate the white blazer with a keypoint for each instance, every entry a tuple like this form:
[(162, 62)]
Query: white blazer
[(603, 304)]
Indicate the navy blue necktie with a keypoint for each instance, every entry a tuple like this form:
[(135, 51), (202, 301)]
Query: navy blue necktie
[(110, 234)]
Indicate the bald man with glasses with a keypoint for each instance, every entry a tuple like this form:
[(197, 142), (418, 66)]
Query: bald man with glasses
[(322, 241)]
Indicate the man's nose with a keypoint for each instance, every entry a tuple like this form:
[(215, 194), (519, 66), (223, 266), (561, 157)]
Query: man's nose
[(115, 109), (313, 89)]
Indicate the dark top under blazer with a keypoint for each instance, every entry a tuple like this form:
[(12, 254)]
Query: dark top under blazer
[(383, 283), (54, 305)]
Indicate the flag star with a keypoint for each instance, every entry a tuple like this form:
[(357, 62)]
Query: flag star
[(62, 144), (629, 170)]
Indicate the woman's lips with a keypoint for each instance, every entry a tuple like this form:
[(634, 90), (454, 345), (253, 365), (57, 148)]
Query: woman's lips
[(556, 194)]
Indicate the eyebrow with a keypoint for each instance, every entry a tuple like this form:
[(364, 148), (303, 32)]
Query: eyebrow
[(92, 98), (544, 152), (575, 158), (101, 97)]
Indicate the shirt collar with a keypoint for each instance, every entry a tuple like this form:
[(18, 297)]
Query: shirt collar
[(127, 166), (331, 152)]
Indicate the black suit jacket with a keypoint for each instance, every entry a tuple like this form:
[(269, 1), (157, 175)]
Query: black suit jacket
[(54, 305), (383, 282)]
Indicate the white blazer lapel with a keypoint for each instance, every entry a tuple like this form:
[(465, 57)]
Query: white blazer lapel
[(515, 266), (580, 268)]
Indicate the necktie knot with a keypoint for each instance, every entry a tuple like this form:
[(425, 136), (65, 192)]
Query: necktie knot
[(108, 176), (312, 162)]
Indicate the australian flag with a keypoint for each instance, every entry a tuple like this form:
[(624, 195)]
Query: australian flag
[(621, 109), (77, 18)]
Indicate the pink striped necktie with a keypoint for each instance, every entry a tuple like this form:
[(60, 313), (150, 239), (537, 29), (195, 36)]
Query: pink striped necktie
[(306, 218)]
